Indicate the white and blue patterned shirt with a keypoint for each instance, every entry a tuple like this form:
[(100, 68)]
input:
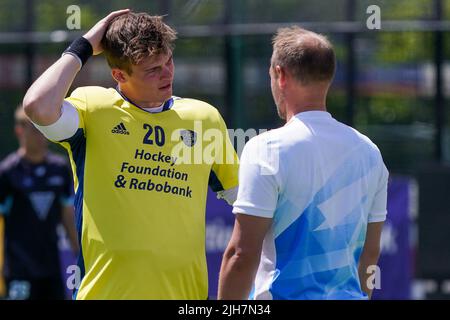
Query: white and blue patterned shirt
[(322, 182)]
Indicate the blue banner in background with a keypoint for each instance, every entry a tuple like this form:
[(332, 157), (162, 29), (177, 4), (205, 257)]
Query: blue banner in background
[(66, 257), (395, 261), (219, 225)]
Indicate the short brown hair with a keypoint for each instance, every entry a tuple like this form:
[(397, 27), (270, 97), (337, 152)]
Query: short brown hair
[(307, 56), (132, 37)]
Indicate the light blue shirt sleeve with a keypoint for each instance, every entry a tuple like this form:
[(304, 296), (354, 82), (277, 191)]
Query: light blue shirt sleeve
[(258, 186)]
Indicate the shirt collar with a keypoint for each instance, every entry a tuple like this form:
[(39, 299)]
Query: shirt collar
[(313, 114), (165, 106)]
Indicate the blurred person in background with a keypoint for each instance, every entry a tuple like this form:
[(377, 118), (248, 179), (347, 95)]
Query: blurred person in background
[(312, 194), (36, 195)]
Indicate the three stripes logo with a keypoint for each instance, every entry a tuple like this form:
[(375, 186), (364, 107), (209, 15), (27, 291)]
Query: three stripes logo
[(120, 129)]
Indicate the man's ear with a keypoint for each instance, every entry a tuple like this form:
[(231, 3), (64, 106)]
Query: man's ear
[(118, 75), (281, 76)]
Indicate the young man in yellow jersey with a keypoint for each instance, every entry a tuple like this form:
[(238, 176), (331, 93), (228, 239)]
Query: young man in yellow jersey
[(140, 199)]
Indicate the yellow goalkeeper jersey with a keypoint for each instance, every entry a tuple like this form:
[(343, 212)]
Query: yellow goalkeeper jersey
[(141, 183)]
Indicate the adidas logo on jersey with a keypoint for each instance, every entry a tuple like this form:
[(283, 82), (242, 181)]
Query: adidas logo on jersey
[(120, 129)]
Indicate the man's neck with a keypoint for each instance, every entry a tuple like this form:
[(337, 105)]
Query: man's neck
[(32, 156), (293, 110), (306, 100)]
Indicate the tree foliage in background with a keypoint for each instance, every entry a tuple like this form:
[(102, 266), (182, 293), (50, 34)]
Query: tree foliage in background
[(386, 55)]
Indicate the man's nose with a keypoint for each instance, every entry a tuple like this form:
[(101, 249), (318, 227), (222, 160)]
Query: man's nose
[(167, 72)]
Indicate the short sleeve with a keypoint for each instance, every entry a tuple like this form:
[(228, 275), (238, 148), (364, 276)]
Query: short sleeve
[(258, 180), (78, 99), (76, 142), (71, 121), (225, 169), (378, 211)]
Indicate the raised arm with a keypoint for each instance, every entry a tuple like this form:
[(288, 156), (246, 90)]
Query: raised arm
[(43, 100)]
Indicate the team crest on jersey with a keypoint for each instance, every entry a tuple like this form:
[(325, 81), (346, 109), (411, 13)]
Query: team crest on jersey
[(189, 137)]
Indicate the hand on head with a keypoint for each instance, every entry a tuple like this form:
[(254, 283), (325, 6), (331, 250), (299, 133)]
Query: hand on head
[(95, 35)]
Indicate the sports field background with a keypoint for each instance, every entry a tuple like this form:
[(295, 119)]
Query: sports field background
[(392, 84)]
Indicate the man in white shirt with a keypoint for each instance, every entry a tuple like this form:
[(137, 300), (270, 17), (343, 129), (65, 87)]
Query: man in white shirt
[(312, 195)]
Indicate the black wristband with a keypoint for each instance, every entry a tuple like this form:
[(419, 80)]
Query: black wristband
[(81, 48)]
